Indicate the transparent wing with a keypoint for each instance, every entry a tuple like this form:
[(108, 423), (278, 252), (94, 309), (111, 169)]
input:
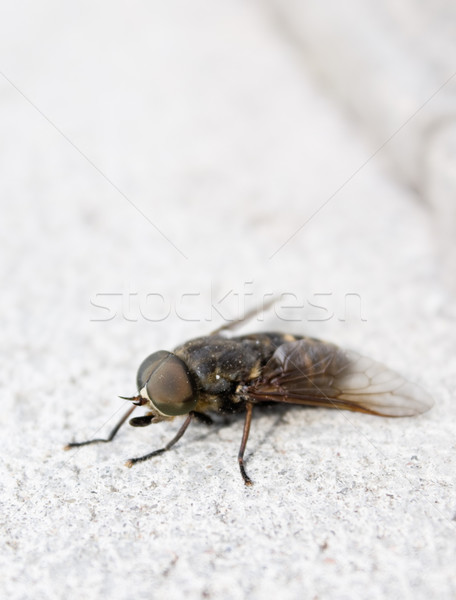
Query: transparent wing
[(317, 373)]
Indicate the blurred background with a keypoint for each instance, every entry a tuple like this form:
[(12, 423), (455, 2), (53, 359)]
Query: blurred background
[(166, 167), (392, 67)]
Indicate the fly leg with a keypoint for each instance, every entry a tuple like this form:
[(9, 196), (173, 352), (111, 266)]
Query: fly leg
[(245, 437), (109, 438), (169, 445), (249, 315)]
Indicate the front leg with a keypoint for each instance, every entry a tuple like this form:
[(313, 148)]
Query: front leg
[(110, 437), (169, 445)]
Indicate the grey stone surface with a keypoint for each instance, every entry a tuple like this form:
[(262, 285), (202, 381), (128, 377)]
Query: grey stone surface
[(197, 120), (391, 66)]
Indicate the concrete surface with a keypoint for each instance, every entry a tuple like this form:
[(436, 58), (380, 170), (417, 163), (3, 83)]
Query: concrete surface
[(196, 120), (385, 62)]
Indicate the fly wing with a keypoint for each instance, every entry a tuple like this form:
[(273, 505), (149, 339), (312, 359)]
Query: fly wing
[(317, 373)]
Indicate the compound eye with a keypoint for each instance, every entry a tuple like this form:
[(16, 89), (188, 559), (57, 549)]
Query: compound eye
[(148, 366), (168, 383)]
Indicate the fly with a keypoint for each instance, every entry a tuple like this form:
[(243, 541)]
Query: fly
[(231, 375)]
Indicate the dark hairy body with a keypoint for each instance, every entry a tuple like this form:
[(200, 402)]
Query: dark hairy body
[(221, 366), (227, 375)]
